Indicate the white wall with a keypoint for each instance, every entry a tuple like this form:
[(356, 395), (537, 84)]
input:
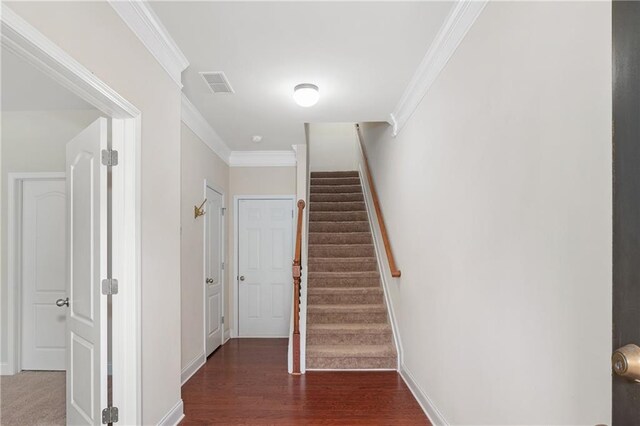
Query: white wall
[(199, 162), (497, 196), (32, 141), (94, 35), (332, 146), (255, 181)]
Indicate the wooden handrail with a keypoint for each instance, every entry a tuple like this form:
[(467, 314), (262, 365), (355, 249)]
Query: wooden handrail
[(297, 274), (395, 272)]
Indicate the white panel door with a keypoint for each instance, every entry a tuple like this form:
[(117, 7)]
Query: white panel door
[(213, 270), (44, 274), (265, 254), (87, 255)]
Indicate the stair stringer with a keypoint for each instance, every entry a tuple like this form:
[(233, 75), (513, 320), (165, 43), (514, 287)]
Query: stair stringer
[(383, 265)]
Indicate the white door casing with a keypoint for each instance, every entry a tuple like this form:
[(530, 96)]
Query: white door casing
[(265, 250), (43, 272), (87, 256), (214, 274)]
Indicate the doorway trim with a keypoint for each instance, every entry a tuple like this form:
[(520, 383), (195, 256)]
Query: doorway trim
[(223, 248), (236, 250), (14, 259), (26, 42)]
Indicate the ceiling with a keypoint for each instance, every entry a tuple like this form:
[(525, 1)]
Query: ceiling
[(360, 54), (25, 88)]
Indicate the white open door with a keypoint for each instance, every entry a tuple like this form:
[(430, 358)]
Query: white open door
[(265, 253), (213, 271), (87, 257), (44, 274)]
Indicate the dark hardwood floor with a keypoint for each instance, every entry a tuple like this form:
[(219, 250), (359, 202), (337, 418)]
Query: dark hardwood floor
[(245, 382)]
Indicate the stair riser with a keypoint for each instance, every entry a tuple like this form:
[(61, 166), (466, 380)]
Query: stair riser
[(353, 206), (340, 238), (349, 339), (350, 363), (341, 251), (338, 216), (342, 266), (336, 189), (335, 181), (346, 317), (345, 299), (335, 198), (339, 227), (333, 174)]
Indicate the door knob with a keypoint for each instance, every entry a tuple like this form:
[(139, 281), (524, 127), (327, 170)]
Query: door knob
[(626, 362), (241, 277), (62, 302), (209, 280)]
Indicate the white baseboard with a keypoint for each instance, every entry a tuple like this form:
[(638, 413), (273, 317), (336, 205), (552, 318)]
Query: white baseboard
[(174, 416), (435, 416), (227, 336), (352, 369), (192, 367), (6, 370)]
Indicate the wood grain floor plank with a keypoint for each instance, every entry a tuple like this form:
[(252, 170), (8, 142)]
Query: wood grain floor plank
[(245, 382)]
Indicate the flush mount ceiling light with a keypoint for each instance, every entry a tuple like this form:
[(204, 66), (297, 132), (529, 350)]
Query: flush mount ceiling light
[(306, 94), (256, 139)]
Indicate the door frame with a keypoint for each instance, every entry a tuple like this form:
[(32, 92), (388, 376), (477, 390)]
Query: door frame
[(236, 250), (26, 42), (16, 182), (223, 247)]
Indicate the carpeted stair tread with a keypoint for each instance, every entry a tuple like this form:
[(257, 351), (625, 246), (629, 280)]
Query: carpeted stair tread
[(357, 216), (341, 250), (344, 180), (318, 296), (340, 238), (336, 264), (348, 328), (335, 206), (334, 174), (335, 189), (373, 351), (342, 226), (347, 308), (351, 290), (344, 274), (336, 197)]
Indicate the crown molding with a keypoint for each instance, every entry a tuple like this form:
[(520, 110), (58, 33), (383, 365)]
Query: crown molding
[(458, 22), (192, 118), (262, 159), (146, 25), (26, 42)]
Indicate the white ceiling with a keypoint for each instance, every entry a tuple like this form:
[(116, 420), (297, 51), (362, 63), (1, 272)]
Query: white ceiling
[(25, 88), (360, 54)]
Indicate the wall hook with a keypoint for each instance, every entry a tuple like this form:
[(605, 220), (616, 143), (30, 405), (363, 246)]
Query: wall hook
[(199, 211)]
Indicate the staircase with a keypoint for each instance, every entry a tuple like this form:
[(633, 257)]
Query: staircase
[(347, 320)]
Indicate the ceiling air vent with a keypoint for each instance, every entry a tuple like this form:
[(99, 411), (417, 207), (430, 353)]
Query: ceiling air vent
[(217, 82)]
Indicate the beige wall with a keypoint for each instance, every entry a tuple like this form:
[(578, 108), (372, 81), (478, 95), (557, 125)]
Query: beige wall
[(497, 196), (95, 36), (199, 162), (255, 181), (332, 146), (32, 141)]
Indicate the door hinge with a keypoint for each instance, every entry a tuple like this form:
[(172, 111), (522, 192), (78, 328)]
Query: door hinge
[(222, 265), (223, 210), (222, 319), (110, 415), (109, 157), (109, 286)]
